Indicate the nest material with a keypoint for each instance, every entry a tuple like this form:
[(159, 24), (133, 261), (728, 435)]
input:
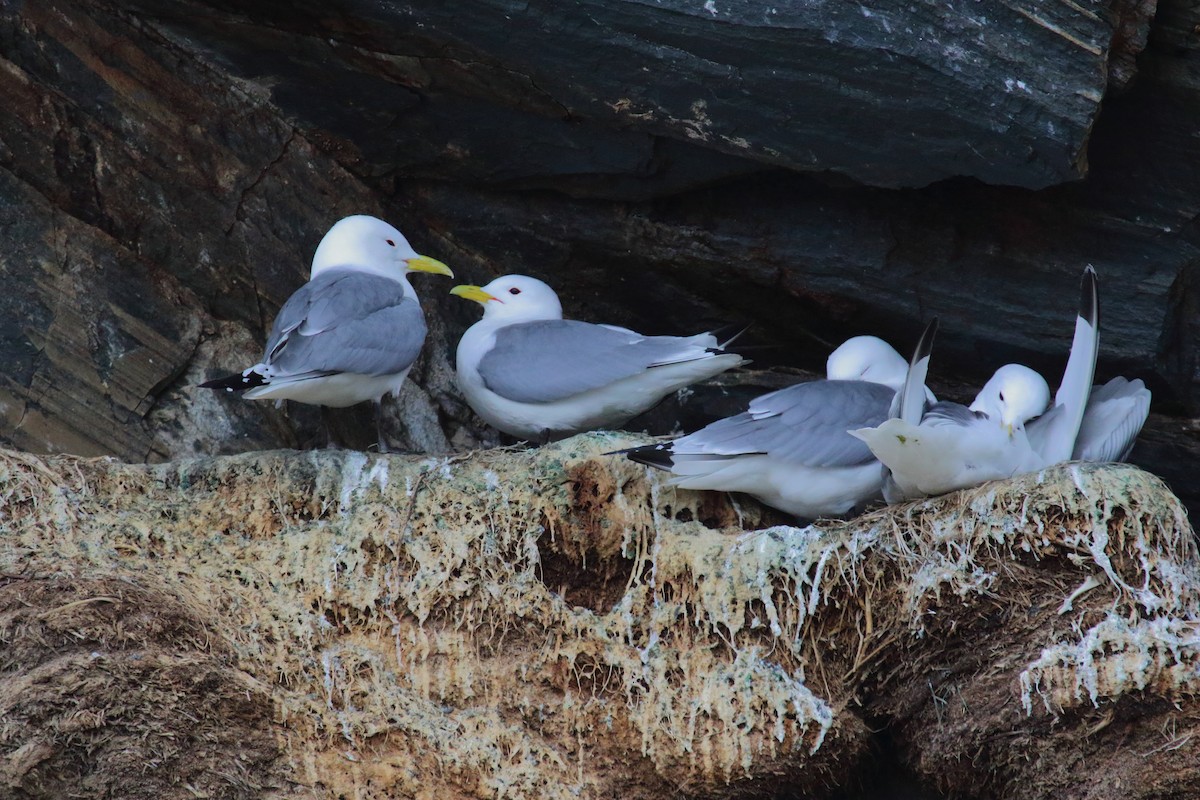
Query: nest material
[(557, 623)]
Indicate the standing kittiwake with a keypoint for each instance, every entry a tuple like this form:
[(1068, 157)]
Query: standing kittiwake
[(791, 449), (534, 375), (352, 332)]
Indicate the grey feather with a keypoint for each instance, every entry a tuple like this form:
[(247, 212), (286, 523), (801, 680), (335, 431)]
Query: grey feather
[(1114, 416), (549, 360), (346, 321), (947, 413), (805, 424)]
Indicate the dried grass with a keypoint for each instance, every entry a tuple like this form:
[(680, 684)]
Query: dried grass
[(556, 623)]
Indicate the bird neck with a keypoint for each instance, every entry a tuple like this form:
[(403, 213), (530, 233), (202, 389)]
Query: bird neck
[(390, 272)]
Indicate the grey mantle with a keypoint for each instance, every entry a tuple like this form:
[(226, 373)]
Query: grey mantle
[(819, 168)]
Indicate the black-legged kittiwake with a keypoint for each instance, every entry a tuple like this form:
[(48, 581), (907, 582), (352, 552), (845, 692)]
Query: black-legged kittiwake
[(530, 373), (353, 331), (952, 446), (791, 449)]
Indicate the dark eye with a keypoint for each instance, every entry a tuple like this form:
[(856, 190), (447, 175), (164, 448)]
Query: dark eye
[(391, 243), (514, 290), (1002, 397)]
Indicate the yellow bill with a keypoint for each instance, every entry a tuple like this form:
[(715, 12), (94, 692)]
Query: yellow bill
[(427, 264), (469, 292)]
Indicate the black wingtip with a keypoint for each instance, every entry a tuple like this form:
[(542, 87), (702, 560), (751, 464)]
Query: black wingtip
[(1089, 297), (235, 383), (737, 332), (925, 343), (652, 455)]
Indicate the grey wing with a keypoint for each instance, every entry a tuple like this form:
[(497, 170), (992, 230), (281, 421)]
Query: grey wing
[(346, 321), (804, 424), (1114, 416), (548, 360), (947, 413), (1055, 435)]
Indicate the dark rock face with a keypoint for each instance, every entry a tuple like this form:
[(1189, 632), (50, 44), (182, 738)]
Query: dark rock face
[(890, 94), (169, 167)]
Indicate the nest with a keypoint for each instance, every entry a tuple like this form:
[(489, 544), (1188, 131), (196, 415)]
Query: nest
[(556, 623)]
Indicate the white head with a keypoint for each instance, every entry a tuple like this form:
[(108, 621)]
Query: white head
[(867, 358), (1014, 395), (371, 245), (513, 298)]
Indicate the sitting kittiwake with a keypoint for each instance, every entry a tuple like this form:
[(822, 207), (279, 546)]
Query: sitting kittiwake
[(353, 331), (952, 446), (534, 375), (791, 449)]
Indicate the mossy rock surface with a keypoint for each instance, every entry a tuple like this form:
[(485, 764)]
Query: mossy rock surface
[(561, 623)]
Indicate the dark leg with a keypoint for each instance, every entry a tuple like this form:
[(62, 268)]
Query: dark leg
[(383, 448)]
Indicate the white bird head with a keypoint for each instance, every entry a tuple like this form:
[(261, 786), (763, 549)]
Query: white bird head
[(867, 358), (368, 244), (513, 298), (1014, 395)]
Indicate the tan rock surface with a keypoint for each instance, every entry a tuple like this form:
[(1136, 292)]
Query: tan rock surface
[(167, 169), (556, 623)]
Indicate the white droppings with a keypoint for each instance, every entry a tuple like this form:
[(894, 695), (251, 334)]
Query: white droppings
[(331, 574), (439, 465), (491, 480), (1113, 657), (379, 473), (1088, 584), (352, 479)]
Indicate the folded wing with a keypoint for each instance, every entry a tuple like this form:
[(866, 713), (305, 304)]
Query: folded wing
[(1115, 414), (549, 360), (804, 424), (345, 321)]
